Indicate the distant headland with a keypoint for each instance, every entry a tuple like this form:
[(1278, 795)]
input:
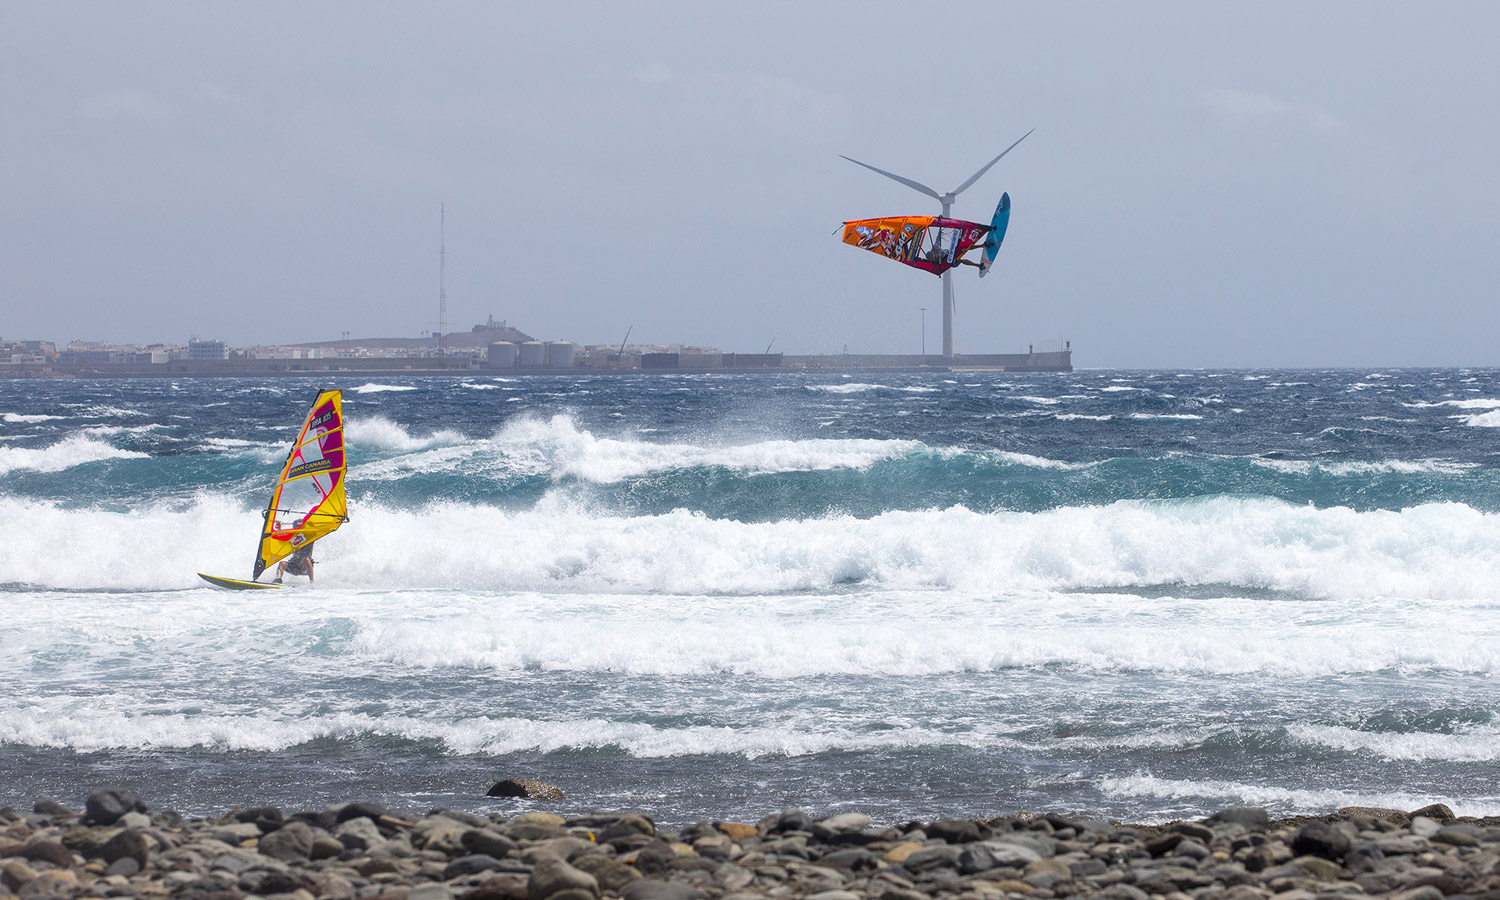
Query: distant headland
[(488, 347)]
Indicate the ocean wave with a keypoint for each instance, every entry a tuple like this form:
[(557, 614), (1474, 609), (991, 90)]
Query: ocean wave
[(1483, 420), (1355, 467), (75, 450), (1472, 403), (852, 388), (87, 728), (1214, 794), (1428, 552), (1041, 462), (683, 593), (379, 433), (1478, 745), (558, 449), (28, 418), (374, 388)]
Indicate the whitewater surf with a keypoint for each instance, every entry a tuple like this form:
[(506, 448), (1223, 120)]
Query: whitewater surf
[(1141, 594)]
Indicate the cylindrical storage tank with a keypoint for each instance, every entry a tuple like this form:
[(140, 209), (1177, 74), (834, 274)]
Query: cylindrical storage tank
[(533, 353), (502, 355), (560, 354)]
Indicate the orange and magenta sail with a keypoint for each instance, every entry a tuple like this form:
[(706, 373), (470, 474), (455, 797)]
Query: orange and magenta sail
[(930, 243), (308, 501)]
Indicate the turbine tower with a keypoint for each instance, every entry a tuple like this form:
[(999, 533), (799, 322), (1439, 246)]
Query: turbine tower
[(947, 201)]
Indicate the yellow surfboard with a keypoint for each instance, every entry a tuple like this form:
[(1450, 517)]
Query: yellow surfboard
[(235, 584)]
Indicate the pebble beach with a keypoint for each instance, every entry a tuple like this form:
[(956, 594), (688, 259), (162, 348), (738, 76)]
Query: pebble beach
[(117, 847)]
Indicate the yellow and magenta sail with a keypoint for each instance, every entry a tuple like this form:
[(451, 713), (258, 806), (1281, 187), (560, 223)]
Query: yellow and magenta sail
[(309, 500)]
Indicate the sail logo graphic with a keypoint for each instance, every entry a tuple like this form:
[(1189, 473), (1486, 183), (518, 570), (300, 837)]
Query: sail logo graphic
[(321, 465)]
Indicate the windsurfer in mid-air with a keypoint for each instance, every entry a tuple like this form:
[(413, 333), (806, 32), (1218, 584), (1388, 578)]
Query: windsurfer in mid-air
[(299, 563)]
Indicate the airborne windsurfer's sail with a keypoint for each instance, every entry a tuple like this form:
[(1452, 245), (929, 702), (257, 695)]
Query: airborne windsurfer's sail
[(931, 243)]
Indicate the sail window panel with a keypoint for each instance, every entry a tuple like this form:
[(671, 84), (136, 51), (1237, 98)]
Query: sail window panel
[(298, 498)]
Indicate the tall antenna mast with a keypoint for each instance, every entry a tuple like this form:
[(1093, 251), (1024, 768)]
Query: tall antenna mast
[(442, 281)]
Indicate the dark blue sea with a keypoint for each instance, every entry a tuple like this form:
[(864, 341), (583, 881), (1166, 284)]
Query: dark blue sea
[(1135, 594)]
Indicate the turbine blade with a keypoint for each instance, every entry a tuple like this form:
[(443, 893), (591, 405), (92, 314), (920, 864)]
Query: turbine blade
[(915, 185), (975, 177)]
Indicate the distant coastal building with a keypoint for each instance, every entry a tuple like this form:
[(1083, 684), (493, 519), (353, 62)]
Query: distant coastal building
[(18, 353), (197, 349)]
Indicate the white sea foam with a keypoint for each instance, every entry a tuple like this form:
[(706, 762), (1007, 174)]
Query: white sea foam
[(1218, 794), (1164, 416), (854, 388), (1478, 745), (85, 726), (1483, 420), (111, 430), (27, 418), (558, 449), (1046, 401), (75, 450), (1473, 403), (1040, 462), (373, 388), (380, 433), (940, 591), (1356, 467), (1069, 417)]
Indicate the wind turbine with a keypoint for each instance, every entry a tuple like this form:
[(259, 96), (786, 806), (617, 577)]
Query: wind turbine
[(947, 201)]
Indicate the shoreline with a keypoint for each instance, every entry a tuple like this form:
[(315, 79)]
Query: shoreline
[(117, 847)]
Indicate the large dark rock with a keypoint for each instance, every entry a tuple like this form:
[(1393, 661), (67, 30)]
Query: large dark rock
[(958, 831), (490, 843), (1192, 830), (51, 808), (44, 850), (793, 820), (105, 807), (656, 858), (291, 841), (354, 810), (980, 857), (266, 818), (1437, 811), (499, 887), (1164, 843), (326, 819), (610, 873), (272, 881), (473, 865), (525, 787), (128, 844), (1252, 817), (551, 876), (1320, 839)]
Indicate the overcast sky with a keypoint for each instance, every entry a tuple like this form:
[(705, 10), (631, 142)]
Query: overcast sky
[(1209, 184)]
